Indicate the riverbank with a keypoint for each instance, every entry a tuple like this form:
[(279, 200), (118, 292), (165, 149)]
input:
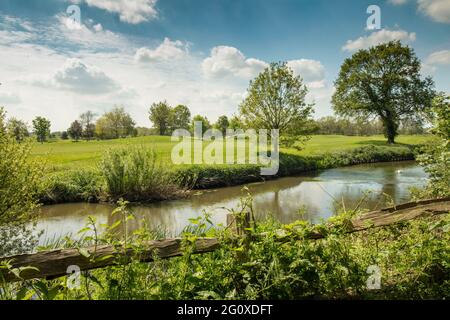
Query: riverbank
[(86, 185)]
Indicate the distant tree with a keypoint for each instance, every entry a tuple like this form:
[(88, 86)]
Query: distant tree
[(18, 129), (75, 131), (181, 117), (41, 128), (64, 135), (87, 122), (160, 114), (143, 131), (115, 124), (383, 81), (236, 123), (206, 125), (222, 124), (276, 100)]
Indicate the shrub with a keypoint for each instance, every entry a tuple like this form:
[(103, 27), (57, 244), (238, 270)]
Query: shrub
[(135, 174), (73, 186), (19, 183)]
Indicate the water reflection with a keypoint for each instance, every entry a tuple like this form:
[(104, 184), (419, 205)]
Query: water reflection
[(319, 194)]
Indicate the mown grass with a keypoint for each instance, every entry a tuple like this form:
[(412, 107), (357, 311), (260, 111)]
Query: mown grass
[(66, 155)]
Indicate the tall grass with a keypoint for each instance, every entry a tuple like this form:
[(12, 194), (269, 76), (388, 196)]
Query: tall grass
[(136, 174)]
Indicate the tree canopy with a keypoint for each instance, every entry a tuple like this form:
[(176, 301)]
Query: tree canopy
[(276, 100), (41, 128), (385, 82), (115, 124)]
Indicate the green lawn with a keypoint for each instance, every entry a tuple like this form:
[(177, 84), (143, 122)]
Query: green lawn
[(63, 155)]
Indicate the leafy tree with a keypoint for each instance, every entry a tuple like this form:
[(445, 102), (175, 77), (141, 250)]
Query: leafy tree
[(160, 115), (222, 124), (18, 129), (115, 124), (181, 117), (436, 156), (276, 100), (206, 125), (87, 123), (236, 123), (19, 185), (383, 81), (64, 135), (75, 131), (41, 128)]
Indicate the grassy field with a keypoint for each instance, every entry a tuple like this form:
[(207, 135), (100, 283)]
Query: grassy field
[(64, 155)]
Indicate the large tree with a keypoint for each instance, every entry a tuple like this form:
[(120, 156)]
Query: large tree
[(276, 100), (41, 128), (383, 81), (160, 114)]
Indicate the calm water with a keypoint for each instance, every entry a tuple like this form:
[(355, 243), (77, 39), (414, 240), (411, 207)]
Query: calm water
[(318, 194)]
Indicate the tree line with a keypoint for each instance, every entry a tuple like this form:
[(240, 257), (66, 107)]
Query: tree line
[(382, 83)]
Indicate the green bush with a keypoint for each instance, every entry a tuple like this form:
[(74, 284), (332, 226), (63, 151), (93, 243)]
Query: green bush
[(135, 174), (20, 180), (72, 186)]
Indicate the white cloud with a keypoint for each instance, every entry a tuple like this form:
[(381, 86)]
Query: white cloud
[(130, 11), (377, 38), (168, 50), (77, 77), (90, 36), (438, 10), (439, 58), (7, 98), (312, 71), (226, 61)]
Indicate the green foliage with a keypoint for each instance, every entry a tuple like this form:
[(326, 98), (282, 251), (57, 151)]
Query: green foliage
[(87, 124), (41, 128), (206, 125), (115, 124), (272, 261), (20, 180), (72, 186), (222, 124), (17, 129), (181, 117), (135, 174), (436, 155), (383, 81), (75, 131), (276, 100), (161, 117)]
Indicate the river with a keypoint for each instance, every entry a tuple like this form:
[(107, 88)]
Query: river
[(312, 197)]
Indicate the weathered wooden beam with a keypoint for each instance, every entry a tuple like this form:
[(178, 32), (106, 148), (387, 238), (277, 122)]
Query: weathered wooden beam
[(54, 263)]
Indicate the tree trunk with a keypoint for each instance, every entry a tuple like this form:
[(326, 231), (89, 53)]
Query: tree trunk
[(390, 128)]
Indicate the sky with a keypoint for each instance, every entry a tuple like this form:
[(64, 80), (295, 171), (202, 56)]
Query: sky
[(200, 53)]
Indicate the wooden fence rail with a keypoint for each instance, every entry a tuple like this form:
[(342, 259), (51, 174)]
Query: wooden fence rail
[(54, 263)]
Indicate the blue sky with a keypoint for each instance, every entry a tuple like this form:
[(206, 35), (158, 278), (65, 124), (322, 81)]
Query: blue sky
[(199, 52)]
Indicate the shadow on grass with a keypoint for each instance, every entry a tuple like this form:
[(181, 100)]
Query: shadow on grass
[(382, 143)]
